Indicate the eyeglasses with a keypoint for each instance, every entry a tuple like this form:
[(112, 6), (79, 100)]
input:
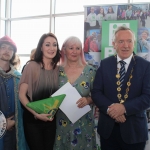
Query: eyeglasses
[(4, 47)]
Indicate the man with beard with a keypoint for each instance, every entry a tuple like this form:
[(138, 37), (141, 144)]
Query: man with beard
[(9, 101)]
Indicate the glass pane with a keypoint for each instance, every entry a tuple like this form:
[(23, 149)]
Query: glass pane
[(2, 28), (69, 26), (65, 6), (23, 8), (23, 60), (2, 8), (53, 25), (27, 33), (140, 1)]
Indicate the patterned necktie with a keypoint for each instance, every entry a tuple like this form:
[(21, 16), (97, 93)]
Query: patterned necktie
[(122, 71)]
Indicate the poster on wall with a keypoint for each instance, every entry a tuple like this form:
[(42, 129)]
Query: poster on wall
[(108, 30), (95, 16), (98, 20)]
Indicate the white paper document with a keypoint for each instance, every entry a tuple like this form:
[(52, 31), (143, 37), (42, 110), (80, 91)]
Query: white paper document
[(69, 106)]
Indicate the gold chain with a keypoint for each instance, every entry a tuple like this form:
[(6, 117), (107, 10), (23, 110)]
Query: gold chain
[(121, 100), (119, 88)]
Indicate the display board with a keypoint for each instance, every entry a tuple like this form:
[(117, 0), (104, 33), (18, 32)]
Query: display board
[(108, 30), (100, 22)]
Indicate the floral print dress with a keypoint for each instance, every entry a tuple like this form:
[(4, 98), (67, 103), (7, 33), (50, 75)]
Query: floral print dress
[(81, 134)]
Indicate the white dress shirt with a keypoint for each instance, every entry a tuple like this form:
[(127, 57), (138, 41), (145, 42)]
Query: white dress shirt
[(127, 60)]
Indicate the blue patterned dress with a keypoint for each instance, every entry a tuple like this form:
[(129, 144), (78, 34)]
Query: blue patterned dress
[(81, 134)]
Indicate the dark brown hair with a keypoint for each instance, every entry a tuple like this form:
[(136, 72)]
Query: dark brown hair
[(38, 57)]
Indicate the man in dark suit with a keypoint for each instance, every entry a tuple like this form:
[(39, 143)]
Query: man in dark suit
[(121, 91)]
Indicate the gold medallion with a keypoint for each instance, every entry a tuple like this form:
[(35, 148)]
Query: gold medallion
[(117, 76), (122, 101), (119, 95), (125, 96), (128, 83), (118, 82), (127, 90), (131, 76), (118, 89)]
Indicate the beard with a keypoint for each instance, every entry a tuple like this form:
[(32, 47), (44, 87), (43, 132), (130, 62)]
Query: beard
[(5, 57)]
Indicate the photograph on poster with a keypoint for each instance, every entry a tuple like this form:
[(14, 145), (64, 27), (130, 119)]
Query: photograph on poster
[(91, 17), (144, 55), (124, 12), (134, 12), (93, 58), (111, 13), (92, 42), (96, 14), (143, 41), (142, 15), (100, 16)]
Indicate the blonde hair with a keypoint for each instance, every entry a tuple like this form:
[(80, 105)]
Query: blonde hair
[(17, 62), (71, 41), (32, 54)]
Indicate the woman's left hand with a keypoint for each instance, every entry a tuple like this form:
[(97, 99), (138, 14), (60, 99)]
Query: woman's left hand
[(82, 102)]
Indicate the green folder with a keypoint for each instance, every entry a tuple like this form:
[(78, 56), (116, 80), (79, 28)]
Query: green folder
[(47, 106)]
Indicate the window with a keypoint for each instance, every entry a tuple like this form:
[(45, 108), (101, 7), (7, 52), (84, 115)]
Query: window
[(24, 8), (23, 60), (2, 28), (69, 26), (2, 8), (26, 33), (66, 6), (140, 1)]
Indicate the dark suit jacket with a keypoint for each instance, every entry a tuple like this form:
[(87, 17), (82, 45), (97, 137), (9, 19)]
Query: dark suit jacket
[(104, 93)]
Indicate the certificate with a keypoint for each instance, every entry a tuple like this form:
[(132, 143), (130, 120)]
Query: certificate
[(69, 106)]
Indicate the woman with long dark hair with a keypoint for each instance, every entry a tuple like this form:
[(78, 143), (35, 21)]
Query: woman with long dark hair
[(110, 15), (101, 16), (40, 81)]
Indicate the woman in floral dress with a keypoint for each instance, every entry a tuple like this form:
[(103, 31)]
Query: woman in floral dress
[(81, 134)]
